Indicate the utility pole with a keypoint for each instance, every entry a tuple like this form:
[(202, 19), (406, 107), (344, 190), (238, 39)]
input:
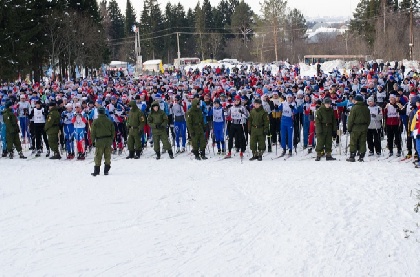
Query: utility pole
[(179, 51), (384, 1), (411, 44)]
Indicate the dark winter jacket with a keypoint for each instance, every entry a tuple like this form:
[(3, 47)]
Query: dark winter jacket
[(136, 119), (158, 120), (10, 120), (325, 120), (52, 126), (102, 131), (195, 120), (258, 121), (359, 118)]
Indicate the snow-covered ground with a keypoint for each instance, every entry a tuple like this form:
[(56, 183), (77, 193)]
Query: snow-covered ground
[(184, 217)]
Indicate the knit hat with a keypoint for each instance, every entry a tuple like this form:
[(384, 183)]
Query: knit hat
[(101, 110), (327, 100), (237, 97), (257, 101), (8, 104), (359, 98)]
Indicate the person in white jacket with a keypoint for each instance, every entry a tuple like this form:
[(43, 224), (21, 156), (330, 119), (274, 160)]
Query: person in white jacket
[(374, 129)]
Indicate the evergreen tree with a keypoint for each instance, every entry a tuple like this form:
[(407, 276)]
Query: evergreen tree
[(116, 27), (130, 19), (242, 21)]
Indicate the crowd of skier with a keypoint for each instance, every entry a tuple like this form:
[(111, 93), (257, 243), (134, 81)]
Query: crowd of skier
[(224, 109)]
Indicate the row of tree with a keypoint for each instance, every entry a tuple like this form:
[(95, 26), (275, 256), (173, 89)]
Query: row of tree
[(230, 29), (65, 34)]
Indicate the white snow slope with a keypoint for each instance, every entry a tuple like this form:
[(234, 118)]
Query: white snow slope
[(209, 218)]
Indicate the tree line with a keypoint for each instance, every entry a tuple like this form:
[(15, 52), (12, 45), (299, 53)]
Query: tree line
[(69, 34)]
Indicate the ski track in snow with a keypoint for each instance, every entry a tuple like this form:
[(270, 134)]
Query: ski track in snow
[(184, 217)]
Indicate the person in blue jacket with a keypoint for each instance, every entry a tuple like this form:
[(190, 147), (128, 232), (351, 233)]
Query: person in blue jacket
[(288, 109), (219, 126), (3, 128)]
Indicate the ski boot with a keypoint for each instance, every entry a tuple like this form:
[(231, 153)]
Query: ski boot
[(228, 155), (106, 169), (120, 152), (4, 154), (48, 153), (157, 155), (371, 154), (290, 153), (96, 170), (38, 153), (259, 158), (171, 154), (114, 151), (310, 150), (219, 152), (361, 156), (11, 154), (398, 153)]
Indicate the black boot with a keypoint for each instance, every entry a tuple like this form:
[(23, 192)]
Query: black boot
[(196, 155), (352, 158), (254, 156), (361, 156), (137, 156), (11, 155), (329, 157), (21, 155), (48, 153), (4, 154), (106, 169), (130, 155), (171, 154), (56, 156), (203, 155), (157, 155), (96, 170)]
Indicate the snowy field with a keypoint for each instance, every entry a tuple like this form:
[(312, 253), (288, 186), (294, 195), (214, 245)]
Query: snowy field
[(209, 218)]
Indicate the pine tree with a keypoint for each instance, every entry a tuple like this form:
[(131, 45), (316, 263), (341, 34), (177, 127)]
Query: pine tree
[(130, 19), (242, 21), (116, 27)]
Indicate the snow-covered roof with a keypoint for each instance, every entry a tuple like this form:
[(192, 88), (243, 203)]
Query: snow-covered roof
[(152, 62)]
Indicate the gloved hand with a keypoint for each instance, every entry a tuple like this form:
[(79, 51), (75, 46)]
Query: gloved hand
[(373, 115), (291, 107)]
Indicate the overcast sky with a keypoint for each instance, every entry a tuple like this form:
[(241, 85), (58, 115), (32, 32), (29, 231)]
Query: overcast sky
[(309, 8)]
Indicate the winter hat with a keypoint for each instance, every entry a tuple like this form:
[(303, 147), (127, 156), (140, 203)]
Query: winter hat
[(69, 105), (258, 101), (327, 100), (101, 110), (392, 96), (217, 101), (8, 104), (52, 104), (237, 97), (178, 97), (359, 98), (363, 90), (157, 95), (418, 99)]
